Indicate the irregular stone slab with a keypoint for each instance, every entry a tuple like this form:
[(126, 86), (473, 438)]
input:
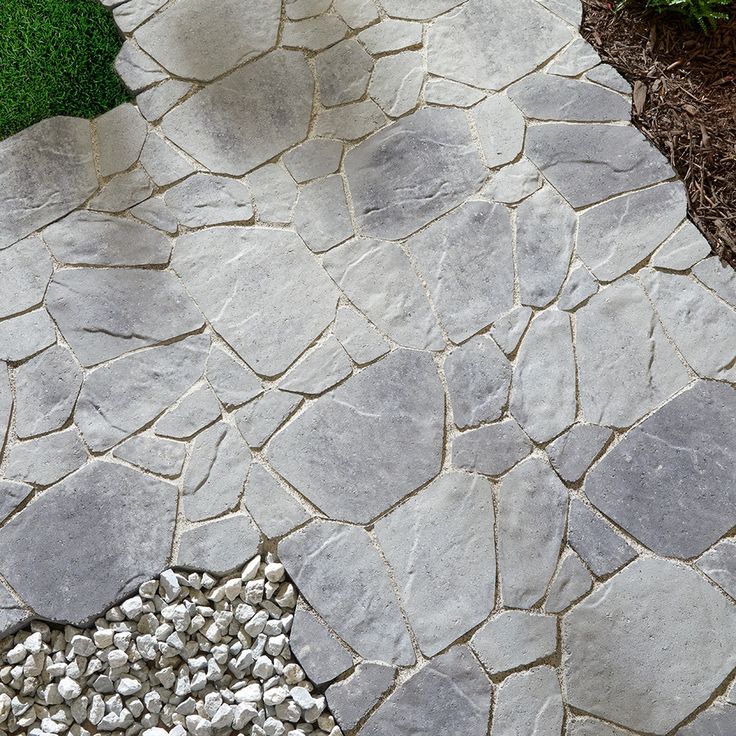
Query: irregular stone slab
[(478, 380), (274, 193), (593, 727), (137, 70), (529, 702), (574, 452), (429, 541), (357, 13), (382, 430), (12, 495), (396, 82), (154, 212), (701, 325), (615, 236), (314, 34), (158, 456), (119, 398), (719, 564), (219, 546), (156, 102), (514, 182), (216, 472), (121, 133), (391, 35), (489, 44), (193, 39), (668, 482), (322, 656), (25, 270), (129, 16), (313, 159), (123, 191), (379, 279), (325, 366), (509, 329), (300, 9), (87, 238), (572, 61), (626, 366), (718, 277), (590, 163), (163, 163), (464, 708), (545, 237), (361, 340), (109, 528), (466, 260), (258, 420), (543, 398), (683, 250), (718, 720), (272, 507), (424, 11), (221, 129), (532, 508), (570, 10), (204, 199), (350, 122), (609, 77), (46, 389), (46, 171), (350, 699), (12, 613), (501, 128), (321, 216), (491, 450), (25, 335), (614, 664), (195, 411), (253, 303), (343, 73), (46, 460), (103, 313), (513, 639), (579, 287), (603, 550), (570, 583), (232, 381), (393, 196), (339, 571), (6, 403), (439, 91)]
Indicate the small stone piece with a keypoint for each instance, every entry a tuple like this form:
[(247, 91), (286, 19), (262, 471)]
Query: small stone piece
[(719, 564), (514, 182), (343, 72), (259, 419), (593, 727), (300, 9), (397, 82), (491, 450), (574, 452), (357, 13), (322, 368), (164, 164), (391, 35), (577, 58), (194, 412), (321, 216), (323, 657), (161, 457), (570, 10), (204, 199), (314, 34), (578, 288), (156, 102), (6, 403), (501, 127), (123, 191), (155, 213), (274, 193), (313, 159), (25, 270), (683, 250), (426, 10), (350, 122), (439, 91), (361, 340), (609, 77), (351, 698), (137, 70), (719, 277), (719, 718), (25, 335), (232, 380), (12, 617), (570, 583), (120, 136), (12, 495), (508, 330), (48, 459), (129, 15)]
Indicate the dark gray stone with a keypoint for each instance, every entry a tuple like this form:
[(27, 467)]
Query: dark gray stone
[(12, 495), (259, 419), (12, 613), (719, 564), (204, 200), (46, 460), (350, 699), (491, 450), (25, 270), (232, 380), (608, 77), (574, 452), (570, 583), (323, 367), (194, 412), (158, 456), (321, 216), (25, 335)]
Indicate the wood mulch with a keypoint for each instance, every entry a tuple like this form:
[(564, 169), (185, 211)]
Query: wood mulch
[(684, 102)]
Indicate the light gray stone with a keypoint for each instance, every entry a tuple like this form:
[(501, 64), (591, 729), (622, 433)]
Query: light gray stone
[(654, 483), (322, 656), (545, 238), (343, 73), (272, 507), (350, 122), (451, 527), (574, 452), (501, 129), (439, 91), (121, 133), (570, 583), (339, 571), (215, 474), (137, 70), (12, 495), (615, 665), (396, 82), (391, 35), (543, 396), (578, 288), (577, 58), (382, 430), (221, 128), (219, 546), (119, 398), (321, 216), (46, 460), (194, 39), (717, 720), (129, 15), (12, 613), (204, 199), (87, 238), (701, 325), (154, 103), (46, 171), (719, 277), (46, 389), (491, 450), (478, 381), (232, 380), (162, 162), (154, 212), (123, 191), (512, 639), (392, 195), (300, 9), (424, 11), (103, 313), (683, 250), (253, 303), (570, 10), (357, 13), (313, 159), (529, 702), (193, 413), (274, 193), (323, 367), (25, 270), (489, 44), (603, 549), (350, 699), (609, 77), (106, 529), (590, 163), (259, 419), (314, 34), (466, 260), (25, 335), (532, 509), (156, 455), (6, 403), (719, 564), (514, 182), (593, 727), (379, 279), (626, 366), (464, 707), (361, 340), (508, 330)]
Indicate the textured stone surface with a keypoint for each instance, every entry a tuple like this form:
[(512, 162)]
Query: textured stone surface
[(343, 73), (668, 481), (158, 456), (574, 452), (25, 335), (259, 419), (350, 122), (514, 182), (314, 158), (718, 277), (361, 340), (12, 495), (608, 77), (162, 162), (120, 136), (46, 460), (323, 367), (572, 61), (12, 614), (25, 269), (391, 35), (154, 212), (508, 330), (719, 564), (157, 101), (352, 698), (491, 450), (578, 288), (194, 412), (408, 9), (203, 200), (231, 380), (274, 193), (137, 70), (593, 727), (321, 216), (438, 91), (570, 583), (6, 402), (717, 720), (397, 81), (357, 13), (129, 16), (682, 250), (615, 665), (500, 127), (314, 34), (123, 191)]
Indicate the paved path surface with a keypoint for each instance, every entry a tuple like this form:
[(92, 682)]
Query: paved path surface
[(410, 278)]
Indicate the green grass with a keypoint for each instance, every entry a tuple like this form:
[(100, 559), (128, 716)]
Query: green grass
[(704, 13), (56, 58)]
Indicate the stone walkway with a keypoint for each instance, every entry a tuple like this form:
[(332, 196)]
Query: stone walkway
[(400, 292)]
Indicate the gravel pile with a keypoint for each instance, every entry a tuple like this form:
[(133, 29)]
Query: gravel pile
[(189, 654)]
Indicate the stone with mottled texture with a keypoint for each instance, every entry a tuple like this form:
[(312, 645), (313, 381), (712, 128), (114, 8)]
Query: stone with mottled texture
[(25, 270), (718, 277), (274, 193), (514, 182), (12, 613), (45, 460), (259, 419), (492, 449), (156, 455), (343, 73), (121, 133), (350, 122), (193, 413), (682, 250), (418, 11), (570, 583), (137, 70), (361, 340), (396, 82), (154, 212), (12, 495), (313, 159), (609, 77), (508, 330), (162, 162), (439, 91), (300, 9), (570, 10), (25, 335), (154, 103), (572, 61), (272, 507), (323, 367), (501, 129), (574, 452), (123, 191), (717, 720), (593, 727), (350, 699), (719, 564), (203, 200), (357, 13), (578, 288), (314, 34), (231, 380), (391, 35), (129, 16), (321, 216)]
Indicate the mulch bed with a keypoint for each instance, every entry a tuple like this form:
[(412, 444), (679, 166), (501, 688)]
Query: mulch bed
[(684, 102)]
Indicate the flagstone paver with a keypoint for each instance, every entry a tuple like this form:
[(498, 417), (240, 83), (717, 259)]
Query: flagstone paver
[(314, 287)]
